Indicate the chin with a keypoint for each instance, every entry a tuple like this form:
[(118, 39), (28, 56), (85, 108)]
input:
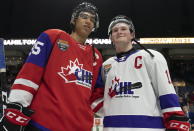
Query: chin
[(122, 41), (84, 34)]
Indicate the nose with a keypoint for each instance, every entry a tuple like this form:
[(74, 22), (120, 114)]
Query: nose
[(88, 20), (120, 31)]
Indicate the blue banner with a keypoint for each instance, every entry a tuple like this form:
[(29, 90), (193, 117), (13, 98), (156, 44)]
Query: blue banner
[(2, 56)]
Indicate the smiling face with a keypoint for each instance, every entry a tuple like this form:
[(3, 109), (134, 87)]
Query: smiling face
[(121, 37), (84, 24)]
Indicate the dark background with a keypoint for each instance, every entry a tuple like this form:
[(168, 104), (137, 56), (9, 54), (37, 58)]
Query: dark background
[(152, 18)]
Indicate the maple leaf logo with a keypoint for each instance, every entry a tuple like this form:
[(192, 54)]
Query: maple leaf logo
[(114, 87), (68, 73)]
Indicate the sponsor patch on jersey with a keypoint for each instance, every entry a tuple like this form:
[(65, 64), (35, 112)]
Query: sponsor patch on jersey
[(63, 44), (123, 88), (107, 68), (74, 72)]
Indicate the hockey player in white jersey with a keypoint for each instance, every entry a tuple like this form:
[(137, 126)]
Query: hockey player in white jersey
[(139, 94)]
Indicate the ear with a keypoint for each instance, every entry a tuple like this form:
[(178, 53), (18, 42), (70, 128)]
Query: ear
[(133, 34), (73, 22), (110, 37)]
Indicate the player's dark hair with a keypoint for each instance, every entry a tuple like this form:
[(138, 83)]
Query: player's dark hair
[(119, 19), (84, 7)]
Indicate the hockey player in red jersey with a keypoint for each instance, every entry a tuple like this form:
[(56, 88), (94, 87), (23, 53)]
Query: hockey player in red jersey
[(53, 89), (139, 95)]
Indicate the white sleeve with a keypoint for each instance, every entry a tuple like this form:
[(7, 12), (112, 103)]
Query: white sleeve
[(160, 77)]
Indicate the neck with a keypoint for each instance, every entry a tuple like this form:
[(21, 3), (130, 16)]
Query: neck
[(121, 54), (78, 38)]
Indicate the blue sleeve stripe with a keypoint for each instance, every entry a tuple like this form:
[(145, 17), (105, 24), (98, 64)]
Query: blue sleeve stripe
[(99, 81), (168, 101), (42, 128), (40, 51), (133, 121)]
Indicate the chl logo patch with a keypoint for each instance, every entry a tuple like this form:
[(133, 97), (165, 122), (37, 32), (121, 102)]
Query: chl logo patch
[(63, 44), (74, 72), (122, 87)]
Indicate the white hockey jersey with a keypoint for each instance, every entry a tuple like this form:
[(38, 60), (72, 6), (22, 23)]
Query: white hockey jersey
[(138, 90)]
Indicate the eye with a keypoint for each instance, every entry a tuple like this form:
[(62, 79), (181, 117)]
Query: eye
[(92, 19), (114, 30), (86, 16), (123, 28), (83, 16)]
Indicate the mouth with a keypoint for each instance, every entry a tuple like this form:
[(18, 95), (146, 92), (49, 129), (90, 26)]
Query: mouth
[(120, 36), (87, 27)]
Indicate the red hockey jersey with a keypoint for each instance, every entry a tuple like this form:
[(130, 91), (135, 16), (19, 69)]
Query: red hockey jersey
[(57, 81)]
